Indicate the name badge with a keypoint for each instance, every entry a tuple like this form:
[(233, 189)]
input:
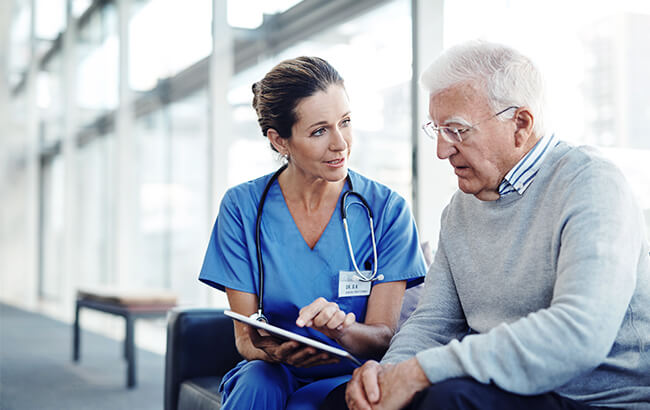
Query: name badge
[(349, 286)]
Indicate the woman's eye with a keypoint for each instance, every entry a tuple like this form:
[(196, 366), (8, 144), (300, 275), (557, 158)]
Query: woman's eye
[(318, 132), (346, 122)]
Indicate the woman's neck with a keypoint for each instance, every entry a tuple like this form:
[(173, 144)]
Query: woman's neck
[(308, 192)]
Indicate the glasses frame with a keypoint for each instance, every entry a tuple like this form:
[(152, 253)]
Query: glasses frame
[(453, 135)]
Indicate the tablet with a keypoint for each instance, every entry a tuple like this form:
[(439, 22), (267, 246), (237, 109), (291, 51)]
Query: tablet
[(293, 336)]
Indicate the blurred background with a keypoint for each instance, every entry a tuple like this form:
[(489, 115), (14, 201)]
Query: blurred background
[(123, 122)]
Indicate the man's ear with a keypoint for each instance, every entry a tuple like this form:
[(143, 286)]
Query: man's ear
[(524, 122), (279, 143)]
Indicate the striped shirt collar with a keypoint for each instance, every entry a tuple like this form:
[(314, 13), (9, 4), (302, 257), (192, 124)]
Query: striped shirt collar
[(522, 174)]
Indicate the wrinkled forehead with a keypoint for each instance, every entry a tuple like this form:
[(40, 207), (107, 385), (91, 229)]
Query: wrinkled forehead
[(459, 103)]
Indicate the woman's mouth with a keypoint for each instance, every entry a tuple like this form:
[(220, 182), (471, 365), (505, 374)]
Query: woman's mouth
[(336, 163)]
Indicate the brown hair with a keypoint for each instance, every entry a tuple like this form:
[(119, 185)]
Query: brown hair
[(276, 96)]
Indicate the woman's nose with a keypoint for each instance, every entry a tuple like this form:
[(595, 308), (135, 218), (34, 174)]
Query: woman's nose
[(338, 142)]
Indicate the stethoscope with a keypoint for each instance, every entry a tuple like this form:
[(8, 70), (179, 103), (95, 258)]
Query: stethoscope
[(359, 275)]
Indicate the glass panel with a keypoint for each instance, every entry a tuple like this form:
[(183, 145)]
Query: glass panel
[(173, 158), (97, 72), (154, 172), (95, 213), (51, 102), (80, 6), (250, 14), (379, 96), (155, 50), (189, 195), (52, 229), (49, 18), (17, 212), (20, 50)]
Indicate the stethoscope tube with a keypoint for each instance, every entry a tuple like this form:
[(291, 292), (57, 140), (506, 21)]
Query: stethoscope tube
[(344, 215), (258, 241), (258, 245)]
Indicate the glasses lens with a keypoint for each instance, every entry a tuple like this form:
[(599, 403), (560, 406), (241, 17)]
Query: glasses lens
[(450, 134), (429, 130)]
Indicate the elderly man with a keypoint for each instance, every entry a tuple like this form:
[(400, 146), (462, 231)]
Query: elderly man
[(539, 295)]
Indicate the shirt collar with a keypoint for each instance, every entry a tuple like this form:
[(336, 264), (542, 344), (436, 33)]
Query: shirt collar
[(521, 175)]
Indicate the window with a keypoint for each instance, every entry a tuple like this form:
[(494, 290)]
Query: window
[(376, 66), (595, 59), (51, 102), (95, 184), (52, 228), (173, 169), (97, 71), (167, 36)]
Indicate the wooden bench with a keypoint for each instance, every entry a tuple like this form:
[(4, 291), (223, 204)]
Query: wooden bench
[(131, 305)]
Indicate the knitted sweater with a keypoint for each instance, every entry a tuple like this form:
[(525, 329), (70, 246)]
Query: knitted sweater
[(545, 291)]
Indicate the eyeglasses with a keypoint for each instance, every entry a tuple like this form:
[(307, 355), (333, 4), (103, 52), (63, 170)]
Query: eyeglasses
[(453, 134)]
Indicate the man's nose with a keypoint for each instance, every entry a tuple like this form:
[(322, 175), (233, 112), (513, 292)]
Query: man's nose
[(445, 149)]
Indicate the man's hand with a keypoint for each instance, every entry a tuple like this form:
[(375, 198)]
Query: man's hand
[(388, 386), (363, 389)]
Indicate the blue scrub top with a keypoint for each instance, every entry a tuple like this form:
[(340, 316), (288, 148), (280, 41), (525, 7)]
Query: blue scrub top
[(296, 275)]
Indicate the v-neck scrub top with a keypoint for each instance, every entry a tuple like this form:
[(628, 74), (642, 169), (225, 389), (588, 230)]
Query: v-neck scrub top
[(295, 274)]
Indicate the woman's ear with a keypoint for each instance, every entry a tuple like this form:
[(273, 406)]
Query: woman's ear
[(279, 143), (524, 122)]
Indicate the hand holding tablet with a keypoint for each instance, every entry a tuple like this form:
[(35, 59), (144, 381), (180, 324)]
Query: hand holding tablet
[(286, 334)]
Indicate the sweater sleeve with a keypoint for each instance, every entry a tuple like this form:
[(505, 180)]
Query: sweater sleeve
[(437, 319), (600, 240)]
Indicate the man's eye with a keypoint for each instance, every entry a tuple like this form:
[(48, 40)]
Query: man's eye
[(450, 132)]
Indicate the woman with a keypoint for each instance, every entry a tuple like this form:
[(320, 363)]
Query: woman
[(309, 283)]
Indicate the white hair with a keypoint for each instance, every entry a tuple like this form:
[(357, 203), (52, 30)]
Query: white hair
[(508, 77)]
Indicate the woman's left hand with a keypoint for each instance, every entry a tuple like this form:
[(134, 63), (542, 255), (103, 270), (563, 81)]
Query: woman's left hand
[(326, 317)]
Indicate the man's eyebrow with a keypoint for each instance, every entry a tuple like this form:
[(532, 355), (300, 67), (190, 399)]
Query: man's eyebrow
[(457, 120)]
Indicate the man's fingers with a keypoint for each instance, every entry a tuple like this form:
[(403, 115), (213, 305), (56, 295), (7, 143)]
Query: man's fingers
[(370, 382), (354, 394)]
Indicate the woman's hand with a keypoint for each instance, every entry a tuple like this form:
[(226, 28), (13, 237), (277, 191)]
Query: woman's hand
[(326, 317), (289, 352)]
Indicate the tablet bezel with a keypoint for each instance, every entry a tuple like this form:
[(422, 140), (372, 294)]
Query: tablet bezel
[(291, 335)]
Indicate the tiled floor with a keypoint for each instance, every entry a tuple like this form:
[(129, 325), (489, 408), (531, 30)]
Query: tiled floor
[(36, 371)]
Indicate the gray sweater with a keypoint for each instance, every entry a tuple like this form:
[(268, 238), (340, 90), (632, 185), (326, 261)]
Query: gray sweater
[(545, 291)]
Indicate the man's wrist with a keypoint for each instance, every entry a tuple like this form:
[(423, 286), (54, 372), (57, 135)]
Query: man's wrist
[(415, 375)]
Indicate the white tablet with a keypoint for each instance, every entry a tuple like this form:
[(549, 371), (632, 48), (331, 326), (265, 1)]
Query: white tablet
[(293, 336)]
